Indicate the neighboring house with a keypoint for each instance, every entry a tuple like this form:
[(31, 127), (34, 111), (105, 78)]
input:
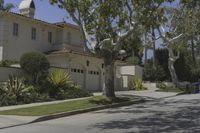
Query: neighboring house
[(61, 42)]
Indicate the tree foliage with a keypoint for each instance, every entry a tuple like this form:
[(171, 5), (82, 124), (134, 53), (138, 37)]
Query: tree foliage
[(6, 7), (104, 26)]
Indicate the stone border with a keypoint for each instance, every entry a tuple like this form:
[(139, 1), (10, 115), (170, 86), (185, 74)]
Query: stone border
[(80, 111)]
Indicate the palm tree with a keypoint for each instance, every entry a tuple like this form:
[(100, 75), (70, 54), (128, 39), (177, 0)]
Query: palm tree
[(6, 7)]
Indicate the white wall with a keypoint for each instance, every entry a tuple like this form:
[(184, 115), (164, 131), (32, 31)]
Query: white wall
[(127, 70), (15, 46), (6, 71), (87, 80)]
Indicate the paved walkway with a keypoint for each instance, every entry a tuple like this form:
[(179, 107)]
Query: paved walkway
[(6, 121)]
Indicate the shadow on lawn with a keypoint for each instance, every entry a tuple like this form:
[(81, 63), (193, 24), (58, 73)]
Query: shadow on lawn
[(183, 119)]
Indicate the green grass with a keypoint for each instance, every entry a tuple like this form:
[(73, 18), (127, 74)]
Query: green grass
[(62, 107), (170, 90)]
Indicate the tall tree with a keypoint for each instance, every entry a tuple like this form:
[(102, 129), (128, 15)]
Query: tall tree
[(6, 7), (190, 24), (104, 24), (150, 13), (168, 31)]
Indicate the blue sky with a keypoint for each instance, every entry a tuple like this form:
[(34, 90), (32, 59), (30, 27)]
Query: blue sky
[(44, 11), (47, 12)]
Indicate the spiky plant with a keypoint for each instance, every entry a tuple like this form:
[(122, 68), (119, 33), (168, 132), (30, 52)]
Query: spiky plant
[(59, 78)]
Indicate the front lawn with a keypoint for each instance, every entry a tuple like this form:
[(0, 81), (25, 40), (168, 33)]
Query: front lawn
[(63, 107), (169, 89)]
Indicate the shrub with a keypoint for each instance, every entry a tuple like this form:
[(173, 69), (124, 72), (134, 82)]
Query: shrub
[(35, 65), (154, 74), (73, 92), (102, 100), (58, 80), (161, 85), (6, 63), (61, 86), (14, 91), (136, 84)]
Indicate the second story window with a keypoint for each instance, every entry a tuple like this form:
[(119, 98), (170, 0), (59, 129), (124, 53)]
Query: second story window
[(50, 37), (15, 29), (33, 34)]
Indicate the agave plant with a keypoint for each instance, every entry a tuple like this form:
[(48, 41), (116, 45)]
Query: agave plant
[(59, 78), (15, 87), (136, 84), (59, 81)]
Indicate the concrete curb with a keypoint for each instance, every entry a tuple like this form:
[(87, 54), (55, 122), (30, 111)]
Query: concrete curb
[(80, 111)]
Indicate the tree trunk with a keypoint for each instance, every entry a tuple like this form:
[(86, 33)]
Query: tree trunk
[(193, 52), (171, 68), (145, 55), (154, 47), (109, 90)]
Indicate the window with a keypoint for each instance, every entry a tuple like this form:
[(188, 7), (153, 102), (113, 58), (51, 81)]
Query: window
[(50, 37), (81, 71), (87, 63), (102, 65), (33, 34), (15, 29)]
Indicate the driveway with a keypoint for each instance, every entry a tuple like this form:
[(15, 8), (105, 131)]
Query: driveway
[(179, 114)]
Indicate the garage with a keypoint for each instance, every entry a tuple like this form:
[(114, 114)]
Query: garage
[(93, 79), (77, 74)]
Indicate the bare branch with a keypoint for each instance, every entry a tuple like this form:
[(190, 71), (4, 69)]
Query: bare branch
[(163, 30), (103, 42), (175, 38), (130, 11)]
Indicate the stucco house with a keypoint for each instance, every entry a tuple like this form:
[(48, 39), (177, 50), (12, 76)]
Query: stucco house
[(61, 42)]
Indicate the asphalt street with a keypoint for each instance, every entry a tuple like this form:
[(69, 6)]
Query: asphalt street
[(179, 114)]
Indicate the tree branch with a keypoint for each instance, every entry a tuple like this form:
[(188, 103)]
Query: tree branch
[(155, 38), (102, 42), (124, 36), (175, 38)]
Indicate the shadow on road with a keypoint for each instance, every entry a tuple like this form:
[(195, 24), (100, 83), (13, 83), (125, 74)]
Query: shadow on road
[(156, 117)]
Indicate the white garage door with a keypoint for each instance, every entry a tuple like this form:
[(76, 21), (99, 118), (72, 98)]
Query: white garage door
[(77, 74), (93, 79)]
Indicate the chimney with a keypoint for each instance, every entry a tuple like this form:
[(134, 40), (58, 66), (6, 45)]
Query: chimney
[(27, 8)]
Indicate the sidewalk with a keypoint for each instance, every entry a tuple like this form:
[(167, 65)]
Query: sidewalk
[(9, 121)]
